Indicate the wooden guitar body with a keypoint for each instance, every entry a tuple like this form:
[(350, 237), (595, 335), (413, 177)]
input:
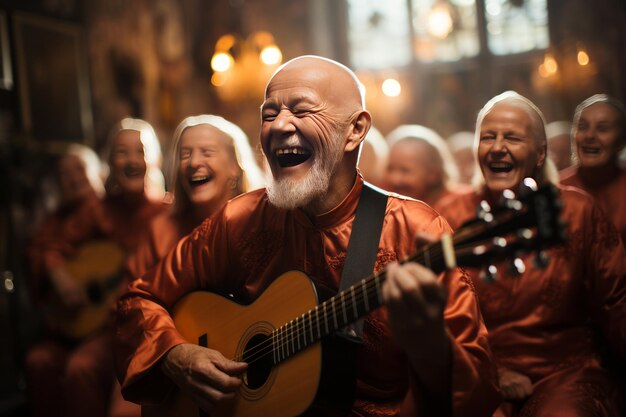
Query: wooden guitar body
[(279, 334), (97, 267), (279, 391)]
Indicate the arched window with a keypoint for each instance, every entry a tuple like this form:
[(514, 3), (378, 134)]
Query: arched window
[(392, 33)]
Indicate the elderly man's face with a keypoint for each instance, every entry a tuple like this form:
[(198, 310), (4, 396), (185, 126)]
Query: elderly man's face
[(508, 151), (302, 134)]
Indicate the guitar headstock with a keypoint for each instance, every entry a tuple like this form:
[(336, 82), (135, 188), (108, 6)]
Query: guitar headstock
[(528, 221)]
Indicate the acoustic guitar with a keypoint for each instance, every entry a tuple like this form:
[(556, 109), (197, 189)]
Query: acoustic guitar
[(279, 334), (97, 266)]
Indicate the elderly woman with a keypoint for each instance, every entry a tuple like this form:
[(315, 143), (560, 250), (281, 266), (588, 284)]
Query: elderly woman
[(212, 163), (547, 327), (72, 374), (420, 165), (599, 135)]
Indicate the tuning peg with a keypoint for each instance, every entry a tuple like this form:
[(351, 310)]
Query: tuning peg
[(509, 200), (484, 211), (517, 267), (528, 184), (525, 234), (541, 260), (489, 275)]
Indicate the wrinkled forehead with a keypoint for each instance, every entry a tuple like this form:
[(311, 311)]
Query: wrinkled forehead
[(314, 78), (512, 114)]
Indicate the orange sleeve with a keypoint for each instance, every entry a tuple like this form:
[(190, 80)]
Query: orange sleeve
[(473, 375), (145, 331), (606, 263)]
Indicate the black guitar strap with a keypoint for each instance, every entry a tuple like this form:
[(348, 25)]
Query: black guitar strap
[(337, 387), (364, 239)]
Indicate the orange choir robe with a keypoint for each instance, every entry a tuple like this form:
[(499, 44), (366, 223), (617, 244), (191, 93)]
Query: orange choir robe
[(75, 379), (552, 324), (610, 195), (46, 247), (247, 244), (164, 232)]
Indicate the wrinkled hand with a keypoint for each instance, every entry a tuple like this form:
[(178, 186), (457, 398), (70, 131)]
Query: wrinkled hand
[(514, 386), (415, 301), (70, 292), (204, 374)]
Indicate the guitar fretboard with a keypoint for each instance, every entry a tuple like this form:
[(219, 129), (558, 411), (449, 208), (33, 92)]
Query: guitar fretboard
[(342, 309)]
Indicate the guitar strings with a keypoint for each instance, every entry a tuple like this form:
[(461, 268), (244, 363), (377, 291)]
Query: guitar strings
[(462, 242), (299, 331), (266, 347)]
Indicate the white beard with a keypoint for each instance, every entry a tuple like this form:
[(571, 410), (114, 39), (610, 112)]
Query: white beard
[(288, 194)]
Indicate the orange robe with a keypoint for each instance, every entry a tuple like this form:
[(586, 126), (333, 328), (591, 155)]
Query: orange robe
[(164, 232), (46, 246), (69, 378), (247, 244), (552, 324), (609, 194)]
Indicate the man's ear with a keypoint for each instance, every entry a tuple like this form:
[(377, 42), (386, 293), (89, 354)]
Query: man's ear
[(358, 129)]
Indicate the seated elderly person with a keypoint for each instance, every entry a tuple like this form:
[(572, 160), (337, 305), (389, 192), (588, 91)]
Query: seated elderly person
[(547, 327)]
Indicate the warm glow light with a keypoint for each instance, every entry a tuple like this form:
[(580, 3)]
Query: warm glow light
[(550, 64), (218, 79), (271, 55), (242, 65), (391, 87), (440, 21), (583, 58), (543, 73), (222, 62)]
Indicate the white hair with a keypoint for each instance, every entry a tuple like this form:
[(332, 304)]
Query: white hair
[(253, 178), (460, 140), (155, 182), (558, 128), (92, 164), (547, 172), (436, 142)]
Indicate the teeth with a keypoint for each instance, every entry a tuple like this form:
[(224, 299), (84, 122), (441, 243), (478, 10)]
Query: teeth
[(287, 151), (590, 150), (199, 178)]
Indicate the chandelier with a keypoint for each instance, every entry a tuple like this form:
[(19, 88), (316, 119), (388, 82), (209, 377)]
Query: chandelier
[(241, 66)]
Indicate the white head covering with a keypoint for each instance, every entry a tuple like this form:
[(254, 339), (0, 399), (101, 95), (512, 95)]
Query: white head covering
[(432, 138)]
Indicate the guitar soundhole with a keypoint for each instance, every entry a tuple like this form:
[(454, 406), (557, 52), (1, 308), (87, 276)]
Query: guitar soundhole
[(258, 355)]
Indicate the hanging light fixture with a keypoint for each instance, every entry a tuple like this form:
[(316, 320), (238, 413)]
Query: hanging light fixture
[(241, 66)]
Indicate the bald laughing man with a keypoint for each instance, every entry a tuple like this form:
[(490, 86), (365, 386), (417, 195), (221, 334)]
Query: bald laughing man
[(424, 353)]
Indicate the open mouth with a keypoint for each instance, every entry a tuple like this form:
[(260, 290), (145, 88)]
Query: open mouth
[(594, 150), (500, 167), (132, 172), (289, 157), (198, 181)]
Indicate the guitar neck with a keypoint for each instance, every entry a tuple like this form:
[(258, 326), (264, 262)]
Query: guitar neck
[(349, 305)]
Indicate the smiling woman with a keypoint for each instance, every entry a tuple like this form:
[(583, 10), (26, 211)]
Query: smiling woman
[(599, 135), (212, 163), (541, 372)]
